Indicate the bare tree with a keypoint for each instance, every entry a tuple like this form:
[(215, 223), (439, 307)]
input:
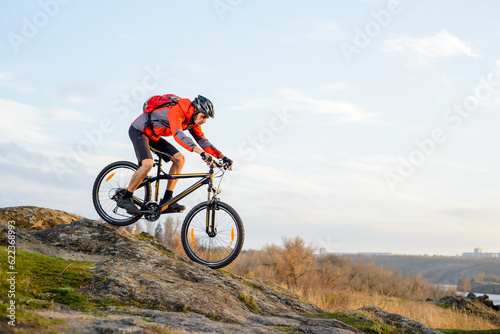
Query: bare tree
[(464, 285), (297, 259)]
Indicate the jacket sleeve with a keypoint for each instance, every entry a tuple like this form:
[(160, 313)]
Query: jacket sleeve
[(200, 138), (175, 118)]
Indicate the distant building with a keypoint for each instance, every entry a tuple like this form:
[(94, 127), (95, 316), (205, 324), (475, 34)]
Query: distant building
[(322, 251), (478, 252)]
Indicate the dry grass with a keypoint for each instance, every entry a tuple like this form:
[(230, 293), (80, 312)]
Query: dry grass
[(339, 285), (430, 315)]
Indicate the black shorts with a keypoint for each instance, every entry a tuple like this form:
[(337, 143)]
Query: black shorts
[(143, 146)]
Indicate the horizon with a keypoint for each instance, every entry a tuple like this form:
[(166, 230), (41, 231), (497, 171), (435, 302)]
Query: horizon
[(351, 124)]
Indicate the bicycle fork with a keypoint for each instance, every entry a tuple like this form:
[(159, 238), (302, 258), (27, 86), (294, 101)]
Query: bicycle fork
[(211, 212)]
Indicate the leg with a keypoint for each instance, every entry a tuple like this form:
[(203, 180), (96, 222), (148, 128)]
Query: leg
[(178, 161), (141, 147), (140, 174), (144, 156), (177, 164), (170, 153), (126, 201)]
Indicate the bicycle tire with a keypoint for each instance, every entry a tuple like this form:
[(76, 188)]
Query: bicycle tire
[(214, 252), (113, 178)]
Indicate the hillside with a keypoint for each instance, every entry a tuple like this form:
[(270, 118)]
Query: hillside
[(439, 269), (90, 277)]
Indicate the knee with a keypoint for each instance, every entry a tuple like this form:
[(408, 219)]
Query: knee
[(147, 165), (178, 159)]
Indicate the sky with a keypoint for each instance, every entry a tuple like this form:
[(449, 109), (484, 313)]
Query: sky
[(359, 126)]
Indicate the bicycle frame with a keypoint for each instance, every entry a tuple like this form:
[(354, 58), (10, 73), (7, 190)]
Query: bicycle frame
[(205, 179)]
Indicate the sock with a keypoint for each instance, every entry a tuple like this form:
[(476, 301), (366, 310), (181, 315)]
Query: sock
[(168, 194), (128, 195)]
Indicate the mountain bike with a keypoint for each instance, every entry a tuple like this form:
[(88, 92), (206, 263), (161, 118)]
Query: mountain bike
[(212, 233)]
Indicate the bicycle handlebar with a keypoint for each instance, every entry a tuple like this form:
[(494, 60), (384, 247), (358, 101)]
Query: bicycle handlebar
[(220, 164)]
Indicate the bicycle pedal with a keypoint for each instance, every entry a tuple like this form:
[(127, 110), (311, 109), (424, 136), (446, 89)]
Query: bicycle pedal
[(172, 211)]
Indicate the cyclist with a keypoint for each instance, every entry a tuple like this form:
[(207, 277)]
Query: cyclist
[(146, 134)]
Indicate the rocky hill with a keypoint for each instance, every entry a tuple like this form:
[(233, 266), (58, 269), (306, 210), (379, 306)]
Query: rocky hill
[(83, 276), (35, 218)]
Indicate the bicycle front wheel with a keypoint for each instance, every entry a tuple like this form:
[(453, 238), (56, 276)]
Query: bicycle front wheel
[(110, 185), (220, 248)]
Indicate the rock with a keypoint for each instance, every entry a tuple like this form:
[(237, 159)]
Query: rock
[(481, 307), (402, 324), (448, 300), (35, 218), (140, 272), (155, 290), (465, 303), (485, 299), (472, 296)]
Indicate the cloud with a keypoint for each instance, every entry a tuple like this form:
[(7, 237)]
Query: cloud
[(296, 101), (459, 165), (22, 123), (334, 87), (344, 112), (192, 66), (75, 91), (425, 50), (67, 116), (5, 76), (8, 79), (28, 178), (323, 31), (477, 214), (256, 103), (362, 166), (76, 99)]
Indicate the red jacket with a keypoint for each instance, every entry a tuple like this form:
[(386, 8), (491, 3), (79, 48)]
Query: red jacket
[(172, 121)]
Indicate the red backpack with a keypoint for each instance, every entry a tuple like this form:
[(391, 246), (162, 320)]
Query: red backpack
[(157, 102), (160, 101)]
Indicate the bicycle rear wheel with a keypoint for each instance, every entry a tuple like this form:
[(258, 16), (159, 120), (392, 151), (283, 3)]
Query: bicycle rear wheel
[(110, 185), (220, 249)]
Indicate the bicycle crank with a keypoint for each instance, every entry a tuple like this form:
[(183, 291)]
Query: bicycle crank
[(152, 213)]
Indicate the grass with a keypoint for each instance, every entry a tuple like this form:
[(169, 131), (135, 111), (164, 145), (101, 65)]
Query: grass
[(145, 236), (249, 302), (242, 280), (286, 329), (432, 316), (25, 317), (41, 279), (363, 321), (163, 329)]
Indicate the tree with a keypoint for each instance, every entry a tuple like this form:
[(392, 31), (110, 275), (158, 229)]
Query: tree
[(464, 285)]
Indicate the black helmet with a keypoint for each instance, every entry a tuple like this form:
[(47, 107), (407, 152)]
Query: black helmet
[(202, 104)]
